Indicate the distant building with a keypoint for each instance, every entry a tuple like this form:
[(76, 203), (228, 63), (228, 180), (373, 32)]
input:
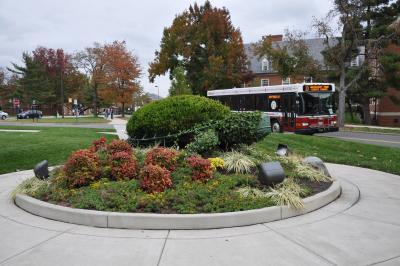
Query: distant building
[(386, 112)]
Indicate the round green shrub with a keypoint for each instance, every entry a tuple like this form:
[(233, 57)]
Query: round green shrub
[(174, 114)]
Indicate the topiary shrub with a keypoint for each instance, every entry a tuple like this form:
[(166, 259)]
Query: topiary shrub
[(123, 166), (201, 168), (203, 142), (162, 157), (119, 146), (82, 168), (155, 178), (174, 114), (239, 128)]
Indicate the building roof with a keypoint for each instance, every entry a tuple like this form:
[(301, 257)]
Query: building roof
[(315, 48)]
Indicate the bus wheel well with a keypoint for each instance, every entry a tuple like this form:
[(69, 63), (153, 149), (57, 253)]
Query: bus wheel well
[(275, 125)]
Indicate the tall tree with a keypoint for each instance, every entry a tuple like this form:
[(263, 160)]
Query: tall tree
[(179, 84), (122, 71), (357, 20), (92, 63), (290, 58), (204, 42)]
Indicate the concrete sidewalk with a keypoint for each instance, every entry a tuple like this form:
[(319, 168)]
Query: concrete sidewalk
[(120, 127), (362, 227)]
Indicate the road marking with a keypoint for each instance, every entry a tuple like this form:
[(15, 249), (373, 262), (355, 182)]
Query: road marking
[(20, 130)]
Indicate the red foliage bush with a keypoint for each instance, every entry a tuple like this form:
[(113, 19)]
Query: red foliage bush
[(155, 178), (123, 166), (163, 157), (99, 144), (81, 168), (119, 146), (202, 170)]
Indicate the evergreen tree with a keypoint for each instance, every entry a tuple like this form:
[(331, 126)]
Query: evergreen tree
[(179, 85)]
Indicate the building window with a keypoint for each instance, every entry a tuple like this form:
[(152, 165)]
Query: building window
[(355, 62), (285, 81), (307, 79), (266, 65), (265, 82)]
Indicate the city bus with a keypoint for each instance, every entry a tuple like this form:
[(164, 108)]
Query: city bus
[(304, 108)]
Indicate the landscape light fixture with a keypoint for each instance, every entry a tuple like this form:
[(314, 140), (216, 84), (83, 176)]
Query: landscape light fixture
[(282, 150), (41, 170)]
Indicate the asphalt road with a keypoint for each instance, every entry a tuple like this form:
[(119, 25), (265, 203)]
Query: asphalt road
[(84, 125), (369, 138)]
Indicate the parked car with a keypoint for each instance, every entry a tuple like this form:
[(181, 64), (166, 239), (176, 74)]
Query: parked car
[(3, 115), (30, 114)]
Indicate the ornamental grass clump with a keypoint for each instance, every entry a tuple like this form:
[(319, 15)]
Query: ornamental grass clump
[(154, 178), (201, 168), (163, 157), (238, 163), (82, 168), (287, 193)]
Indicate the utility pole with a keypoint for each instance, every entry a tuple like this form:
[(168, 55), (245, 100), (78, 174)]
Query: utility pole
[(62, 93)]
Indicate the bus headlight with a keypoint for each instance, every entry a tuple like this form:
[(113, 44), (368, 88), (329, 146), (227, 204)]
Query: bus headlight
[(304, 124), (333, 122)]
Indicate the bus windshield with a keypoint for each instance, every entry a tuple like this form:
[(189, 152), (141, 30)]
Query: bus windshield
[(316, 103)]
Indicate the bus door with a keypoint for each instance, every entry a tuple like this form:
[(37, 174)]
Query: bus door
[(289, 111)]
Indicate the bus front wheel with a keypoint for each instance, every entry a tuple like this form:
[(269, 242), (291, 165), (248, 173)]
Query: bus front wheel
[(275, 126)]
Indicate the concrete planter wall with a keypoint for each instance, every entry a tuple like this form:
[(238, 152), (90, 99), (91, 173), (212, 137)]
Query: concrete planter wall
[(173, 221)]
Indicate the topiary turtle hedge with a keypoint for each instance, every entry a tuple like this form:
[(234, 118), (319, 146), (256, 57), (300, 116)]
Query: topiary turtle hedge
[(174, 114)]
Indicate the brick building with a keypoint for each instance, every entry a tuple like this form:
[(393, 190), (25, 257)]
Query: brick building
[(386, 112)]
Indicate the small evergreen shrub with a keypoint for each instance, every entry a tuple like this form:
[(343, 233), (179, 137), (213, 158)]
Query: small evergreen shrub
[(201, 168), (203, 142), (155, 178), (123, 166), (82, 168), (174, 114), (162, 157), (119, 146), (239, 128)]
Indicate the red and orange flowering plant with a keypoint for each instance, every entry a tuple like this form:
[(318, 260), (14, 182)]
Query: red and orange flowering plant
[(201, 168), (155, 178), (163, 157), (123, 166), (82, 168)]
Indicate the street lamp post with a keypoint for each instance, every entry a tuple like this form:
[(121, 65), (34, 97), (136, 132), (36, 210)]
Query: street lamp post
[(158, 92)]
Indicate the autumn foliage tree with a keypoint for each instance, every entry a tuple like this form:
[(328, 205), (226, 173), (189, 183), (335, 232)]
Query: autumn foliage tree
[(209, 48), (121, 73)]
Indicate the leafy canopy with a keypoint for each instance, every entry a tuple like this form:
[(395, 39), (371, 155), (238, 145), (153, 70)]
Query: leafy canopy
[(204, 42)]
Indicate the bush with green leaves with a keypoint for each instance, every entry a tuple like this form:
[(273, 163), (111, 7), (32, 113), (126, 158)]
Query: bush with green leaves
[(174, 114), (239, 128), (203, 142)]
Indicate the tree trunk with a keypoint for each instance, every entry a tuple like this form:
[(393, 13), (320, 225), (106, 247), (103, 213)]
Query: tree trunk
[(123, 109), (342, 96), (366, 112), (95, 100), (350, 109)]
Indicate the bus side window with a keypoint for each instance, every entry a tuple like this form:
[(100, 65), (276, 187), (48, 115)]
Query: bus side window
[(235, 102), (261, 102), (249, 102)]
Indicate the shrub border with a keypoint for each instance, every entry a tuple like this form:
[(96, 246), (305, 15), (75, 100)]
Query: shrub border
[(174, 221)]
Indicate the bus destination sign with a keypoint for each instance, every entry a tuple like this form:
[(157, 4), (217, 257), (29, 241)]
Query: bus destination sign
[(316, 88)]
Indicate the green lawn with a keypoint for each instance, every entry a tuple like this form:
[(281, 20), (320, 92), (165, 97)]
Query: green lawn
[(372, 130), (59, 120), (338, 151), (23, 150)]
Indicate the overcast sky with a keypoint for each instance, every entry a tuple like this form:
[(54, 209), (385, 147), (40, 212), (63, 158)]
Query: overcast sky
[(75, 24)]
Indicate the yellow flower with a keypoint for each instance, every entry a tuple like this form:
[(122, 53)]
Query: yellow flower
[(216, 163)]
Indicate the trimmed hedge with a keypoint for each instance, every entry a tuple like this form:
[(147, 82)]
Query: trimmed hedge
[(174, 114)]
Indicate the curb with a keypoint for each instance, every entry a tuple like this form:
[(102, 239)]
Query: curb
[(174, 221)]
